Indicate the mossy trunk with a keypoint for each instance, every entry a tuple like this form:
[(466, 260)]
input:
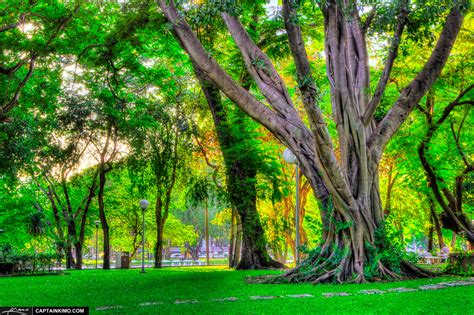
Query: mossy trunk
[(241, 180)]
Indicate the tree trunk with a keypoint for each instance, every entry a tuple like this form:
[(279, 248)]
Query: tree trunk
[(241, 180), (194, 250), (160, 223), (430, 235), (103, 218), (206, 230), (69, 257), (435, 221), (159, 248), (232, 262), (78, 247), (235, 245)]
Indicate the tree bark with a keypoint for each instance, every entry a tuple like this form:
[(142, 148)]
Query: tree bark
[(235, 239), (435, 221)]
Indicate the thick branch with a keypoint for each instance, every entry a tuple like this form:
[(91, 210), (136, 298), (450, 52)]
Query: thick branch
[(7, 107), (412, 94), (392, 55), (294, 135), (272, 86), (437, 183)]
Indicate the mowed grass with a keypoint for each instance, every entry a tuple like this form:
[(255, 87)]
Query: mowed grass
[(129, 288)]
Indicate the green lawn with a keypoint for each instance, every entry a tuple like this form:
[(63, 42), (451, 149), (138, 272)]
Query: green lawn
[(129, 288)]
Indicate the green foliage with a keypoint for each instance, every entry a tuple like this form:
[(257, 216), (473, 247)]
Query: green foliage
[(198, 191), (31, 262), (460, 263), (388, 250)]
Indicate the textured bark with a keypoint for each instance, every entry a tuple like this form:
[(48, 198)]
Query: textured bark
[(347, 183), (235, 239)]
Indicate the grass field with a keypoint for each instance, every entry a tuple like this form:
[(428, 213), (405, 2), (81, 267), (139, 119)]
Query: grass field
[(162, 288)]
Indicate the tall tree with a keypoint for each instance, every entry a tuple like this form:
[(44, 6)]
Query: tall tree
[(241, 171), (346, 183), (451, 201)]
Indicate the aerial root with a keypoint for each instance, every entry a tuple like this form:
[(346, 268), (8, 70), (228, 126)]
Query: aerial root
[(384, 271), (415, 271)]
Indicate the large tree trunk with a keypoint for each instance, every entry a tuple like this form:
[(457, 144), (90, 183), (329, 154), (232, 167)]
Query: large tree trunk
[(241, 180), (347, 183)]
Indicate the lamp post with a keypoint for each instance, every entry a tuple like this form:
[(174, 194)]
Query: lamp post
[(289, 157), (143, 205), (96, 241)]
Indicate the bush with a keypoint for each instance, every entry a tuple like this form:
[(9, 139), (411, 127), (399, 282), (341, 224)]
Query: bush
[(460, 263), (30, 263)]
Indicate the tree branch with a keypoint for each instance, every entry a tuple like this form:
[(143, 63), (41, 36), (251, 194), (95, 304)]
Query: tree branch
[(412, 94), (392, 55)]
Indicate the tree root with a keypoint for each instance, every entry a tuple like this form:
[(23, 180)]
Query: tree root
[(319, 270), (246, 264)]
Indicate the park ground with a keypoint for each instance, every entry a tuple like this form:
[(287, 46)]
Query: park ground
[(204, 290)]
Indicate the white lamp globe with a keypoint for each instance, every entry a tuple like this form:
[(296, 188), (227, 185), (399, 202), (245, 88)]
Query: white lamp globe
[(289, 156), (144, 204)]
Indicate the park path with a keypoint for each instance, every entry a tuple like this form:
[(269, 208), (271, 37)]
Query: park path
[(428, 287)]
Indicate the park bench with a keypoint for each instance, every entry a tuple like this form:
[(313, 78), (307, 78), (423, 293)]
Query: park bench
[(434, 259)]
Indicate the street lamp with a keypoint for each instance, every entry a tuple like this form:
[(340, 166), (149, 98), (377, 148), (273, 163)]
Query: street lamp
[(96, 241), (289, 157), (143, 205)]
